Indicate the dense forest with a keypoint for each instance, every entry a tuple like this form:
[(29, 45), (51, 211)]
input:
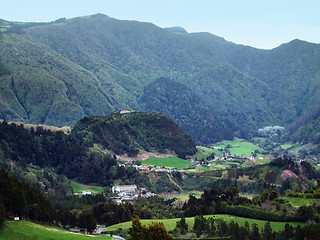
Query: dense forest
[(179, 102), (68, 154)]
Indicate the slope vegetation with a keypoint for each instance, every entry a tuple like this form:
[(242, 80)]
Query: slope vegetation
[(57, 73), (127, 133)]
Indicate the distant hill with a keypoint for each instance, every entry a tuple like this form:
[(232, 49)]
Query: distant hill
[(306, 129), (59, 72), (130, 132)]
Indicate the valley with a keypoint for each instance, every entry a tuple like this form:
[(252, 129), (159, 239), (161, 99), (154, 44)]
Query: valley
[(137, 130)]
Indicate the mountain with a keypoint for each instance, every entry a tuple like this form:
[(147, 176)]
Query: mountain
[(177, 101), (133, 131), (59, 72), (305, 129)]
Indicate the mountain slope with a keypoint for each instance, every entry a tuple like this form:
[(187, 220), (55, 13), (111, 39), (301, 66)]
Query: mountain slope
[(180, 103), (131, 132), (96, 64)]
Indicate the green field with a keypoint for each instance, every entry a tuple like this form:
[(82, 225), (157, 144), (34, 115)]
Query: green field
[(25, 230), (239, 146), (183, 196), (204, 152), (77, 187), (170, 224), (168, 162), (298, 202), (261, 139)]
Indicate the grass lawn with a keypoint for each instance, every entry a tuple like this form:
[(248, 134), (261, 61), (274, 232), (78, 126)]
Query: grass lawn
[(25, 230), (239, 147), (78, 187), (204, 152), (183, 196), (298, 202), (168, 162), (170, 224)]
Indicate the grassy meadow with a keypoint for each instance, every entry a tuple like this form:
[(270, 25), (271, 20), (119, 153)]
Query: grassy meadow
[(168, 162), (298, 202), (182, 196), (170, 224), (25, 230), (78, 187), (239, 147)]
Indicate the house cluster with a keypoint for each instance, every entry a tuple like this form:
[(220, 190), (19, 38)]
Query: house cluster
[(123, 193), (147, 168), (242, 158)]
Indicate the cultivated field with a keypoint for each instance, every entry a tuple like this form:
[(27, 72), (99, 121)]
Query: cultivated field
[(168, 162), (239, 147)]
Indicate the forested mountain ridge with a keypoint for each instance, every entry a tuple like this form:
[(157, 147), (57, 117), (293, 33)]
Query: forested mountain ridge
[(57, 73), (127, 133)]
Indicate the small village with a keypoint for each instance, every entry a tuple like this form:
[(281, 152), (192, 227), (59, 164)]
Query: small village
[(129, 193)]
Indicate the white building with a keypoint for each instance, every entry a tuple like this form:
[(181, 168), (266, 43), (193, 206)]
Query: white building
[(86, 192), (124, 188)]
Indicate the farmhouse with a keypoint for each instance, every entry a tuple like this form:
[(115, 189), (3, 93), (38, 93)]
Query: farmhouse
[(86, 192), (125, 111)]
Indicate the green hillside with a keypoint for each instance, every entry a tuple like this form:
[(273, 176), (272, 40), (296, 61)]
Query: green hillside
[(25, 230), (170, 224), (130, 132), (59, 72)]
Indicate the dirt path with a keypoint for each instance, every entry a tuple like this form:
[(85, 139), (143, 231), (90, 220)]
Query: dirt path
[(174, 183)]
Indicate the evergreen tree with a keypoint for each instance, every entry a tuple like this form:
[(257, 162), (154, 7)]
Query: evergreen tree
[(182, 225), (200, 225), (156, 231), (255, 235), (299, 233), (267, 232), (87, 221), (137, 231), (2, 212), (211, 229)]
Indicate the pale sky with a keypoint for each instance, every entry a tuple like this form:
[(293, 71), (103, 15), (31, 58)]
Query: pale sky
[(257, 23)]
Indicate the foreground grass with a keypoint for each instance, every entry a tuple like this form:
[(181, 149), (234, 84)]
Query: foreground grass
[(25, 230), (170, 224), (168, 162), (77, 187)]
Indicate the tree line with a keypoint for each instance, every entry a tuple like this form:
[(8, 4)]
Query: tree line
[(68, 154)]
